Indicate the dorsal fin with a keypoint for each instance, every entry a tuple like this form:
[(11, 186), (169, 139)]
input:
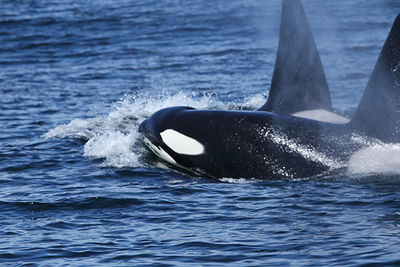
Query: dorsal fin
[(299, 81), (378, 113)]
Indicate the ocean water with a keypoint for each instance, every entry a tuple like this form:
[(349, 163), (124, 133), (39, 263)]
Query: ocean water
[(78, 188)]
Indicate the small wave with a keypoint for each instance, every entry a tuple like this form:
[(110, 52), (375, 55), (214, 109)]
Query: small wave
[(114, 136), (238, 180), (66, 204)]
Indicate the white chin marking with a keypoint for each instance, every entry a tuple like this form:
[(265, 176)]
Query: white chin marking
[(159, 152), (321, 115), (181, 143)]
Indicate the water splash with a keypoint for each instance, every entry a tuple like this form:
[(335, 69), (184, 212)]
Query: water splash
[(115, 147), (114, 136), (376, 158), (238, 181)]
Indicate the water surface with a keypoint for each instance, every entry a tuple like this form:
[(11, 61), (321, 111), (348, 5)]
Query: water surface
[(79, 188)]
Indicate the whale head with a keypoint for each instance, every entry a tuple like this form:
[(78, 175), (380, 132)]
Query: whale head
[(168, 137)]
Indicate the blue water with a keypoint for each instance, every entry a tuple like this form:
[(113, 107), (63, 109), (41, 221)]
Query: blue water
[(79, 189)]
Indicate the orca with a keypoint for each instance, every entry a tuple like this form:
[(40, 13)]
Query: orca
[(273, 142)]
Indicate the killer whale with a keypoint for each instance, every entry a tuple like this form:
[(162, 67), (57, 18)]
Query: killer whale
[(271, 143)]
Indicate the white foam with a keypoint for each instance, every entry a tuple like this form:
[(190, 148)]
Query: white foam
[(77, 128), (322, 115), (254, 102), (376, 159), (114, 146), (238, 180)]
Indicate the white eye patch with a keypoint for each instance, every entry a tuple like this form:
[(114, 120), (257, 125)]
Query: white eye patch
[(181, 143)]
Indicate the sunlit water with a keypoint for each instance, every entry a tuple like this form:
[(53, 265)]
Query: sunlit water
[(78, 186)]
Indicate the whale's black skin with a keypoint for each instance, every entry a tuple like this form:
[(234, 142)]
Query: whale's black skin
[(251, 144), (267, 145)]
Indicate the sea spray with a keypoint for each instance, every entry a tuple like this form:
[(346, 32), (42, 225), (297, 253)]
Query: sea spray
[(376, 158), (114, 137)]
